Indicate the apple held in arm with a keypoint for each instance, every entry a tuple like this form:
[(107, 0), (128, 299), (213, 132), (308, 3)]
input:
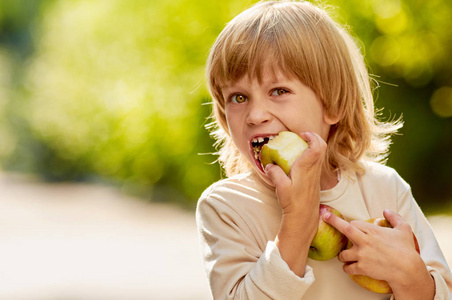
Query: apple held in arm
[(328, 242), (283, 150), (371, 284)]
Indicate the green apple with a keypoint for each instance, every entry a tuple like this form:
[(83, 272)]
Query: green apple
[(283, 150), (369, 283), (328, 242)]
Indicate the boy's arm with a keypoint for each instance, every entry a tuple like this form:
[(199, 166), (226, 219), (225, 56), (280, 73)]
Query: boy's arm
[(430, 251), (235, 264), (386, 254), (299, 198)]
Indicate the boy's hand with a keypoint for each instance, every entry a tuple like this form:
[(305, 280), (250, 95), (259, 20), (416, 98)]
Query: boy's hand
[(386, 254), (302, 186)]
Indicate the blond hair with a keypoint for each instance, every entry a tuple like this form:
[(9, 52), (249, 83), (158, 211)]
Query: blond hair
[(303, 41)]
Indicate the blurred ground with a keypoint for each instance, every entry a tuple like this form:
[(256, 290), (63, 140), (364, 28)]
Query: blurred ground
[(76, 241)]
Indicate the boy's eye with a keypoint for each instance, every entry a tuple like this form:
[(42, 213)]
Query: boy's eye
[(279, 92), (238, 98)]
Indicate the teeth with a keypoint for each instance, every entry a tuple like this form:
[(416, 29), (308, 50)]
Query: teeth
[(261, 139)]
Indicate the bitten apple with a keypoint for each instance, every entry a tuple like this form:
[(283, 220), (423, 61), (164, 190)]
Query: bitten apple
[(371, 284), (283, 150), (328, 242)]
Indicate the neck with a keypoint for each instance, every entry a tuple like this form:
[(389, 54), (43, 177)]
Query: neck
[(328, 180)]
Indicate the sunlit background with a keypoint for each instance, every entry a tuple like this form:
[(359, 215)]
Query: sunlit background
[(112, 92)]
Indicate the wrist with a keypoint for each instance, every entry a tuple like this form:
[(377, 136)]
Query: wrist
[(416, 283), (305, 207), (297, 230), (301, 219)]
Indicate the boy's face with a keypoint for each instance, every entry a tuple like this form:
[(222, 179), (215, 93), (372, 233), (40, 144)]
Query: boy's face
[(258, 110)]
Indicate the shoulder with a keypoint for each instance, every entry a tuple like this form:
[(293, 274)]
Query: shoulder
[(383, 177), (229, 186), (238, 190), (377, 169), (238, 196), (382, 188)]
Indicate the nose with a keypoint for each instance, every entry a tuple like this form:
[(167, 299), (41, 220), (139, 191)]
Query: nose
[(258, 113)]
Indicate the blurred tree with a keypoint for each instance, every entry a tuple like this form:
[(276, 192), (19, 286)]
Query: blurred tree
[(17, 19), (114, 89), (408, 46)]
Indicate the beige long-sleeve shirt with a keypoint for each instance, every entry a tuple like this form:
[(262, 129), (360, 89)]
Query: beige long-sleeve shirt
[(238, 219)]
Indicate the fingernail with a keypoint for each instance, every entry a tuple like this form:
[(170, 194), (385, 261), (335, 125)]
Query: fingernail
[(267, 167), (326, 216)]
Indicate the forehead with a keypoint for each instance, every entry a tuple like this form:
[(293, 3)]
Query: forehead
[(267, 72)]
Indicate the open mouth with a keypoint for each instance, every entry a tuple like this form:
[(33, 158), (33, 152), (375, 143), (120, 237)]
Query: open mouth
[(256, 144)]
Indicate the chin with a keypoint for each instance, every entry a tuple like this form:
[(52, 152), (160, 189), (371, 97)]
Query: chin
[(264, 178)]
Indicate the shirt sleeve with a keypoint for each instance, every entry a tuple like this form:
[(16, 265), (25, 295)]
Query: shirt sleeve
[(236, 267), (429, 247)]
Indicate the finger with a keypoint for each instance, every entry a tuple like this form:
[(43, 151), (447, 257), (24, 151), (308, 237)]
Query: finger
[(315, 141), (363, 226), (278, 176), (395, 219), (350, 231), (315, 152), (310, 138), (399, 223), (347, 256), (351, 268)]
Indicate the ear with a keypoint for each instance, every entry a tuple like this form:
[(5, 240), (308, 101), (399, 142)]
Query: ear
[(330, 120)]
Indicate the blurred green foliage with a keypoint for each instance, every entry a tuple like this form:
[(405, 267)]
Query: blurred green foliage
[(114, 90)]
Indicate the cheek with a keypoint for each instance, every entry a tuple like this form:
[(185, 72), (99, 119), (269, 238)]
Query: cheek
[(232, 120), (229, 123), (231, 126), (235, 130)]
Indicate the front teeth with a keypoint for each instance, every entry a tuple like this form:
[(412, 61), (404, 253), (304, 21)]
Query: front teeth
[(257, 144), (261, 139), (258, 140)]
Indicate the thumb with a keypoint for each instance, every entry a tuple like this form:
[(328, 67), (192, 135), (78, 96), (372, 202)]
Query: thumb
[(278, 176), (394, 218)]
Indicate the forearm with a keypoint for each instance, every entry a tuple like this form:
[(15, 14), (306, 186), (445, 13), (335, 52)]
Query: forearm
[(294, 239), (268, 278)]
